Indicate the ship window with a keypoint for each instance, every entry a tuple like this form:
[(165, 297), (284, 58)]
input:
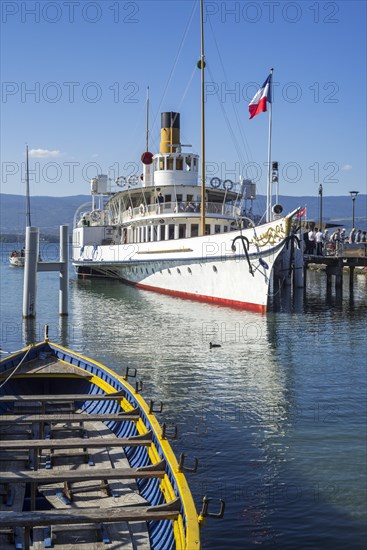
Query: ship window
[(178, 271), (207, 229), (170, 163), (188, 163), (194, 230), (169, 271), (217, 229), (179, 164), (179, 198), (190, 198), (189, 270), (195, 165), (182, 231), (171, 231), (225, 228), (215, 269), (167, 198), (161, 163)]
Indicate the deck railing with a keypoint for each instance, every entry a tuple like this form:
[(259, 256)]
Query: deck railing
[(183, 209)]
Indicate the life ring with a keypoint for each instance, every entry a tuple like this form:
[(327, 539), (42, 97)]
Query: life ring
[(228, 185), (130, 212), (142, 209), (133, 179), (215, 182)]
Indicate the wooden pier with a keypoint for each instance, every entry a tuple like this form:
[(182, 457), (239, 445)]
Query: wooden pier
[(335, 266)]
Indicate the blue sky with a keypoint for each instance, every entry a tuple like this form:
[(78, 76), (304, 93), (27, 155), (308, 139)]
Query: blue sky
[(74, 77)]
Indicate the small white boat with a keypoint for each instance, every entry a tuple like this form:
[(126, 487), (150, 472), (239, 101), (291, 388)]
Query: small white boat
[(17, 258)]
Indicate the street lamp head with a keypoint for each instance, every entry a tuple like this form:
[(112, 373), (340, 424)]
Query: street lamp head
[(353, 194)]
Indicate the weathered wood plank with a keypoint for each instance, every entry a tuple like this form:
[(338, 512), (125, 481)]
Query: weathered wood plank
[(93, 515), (69, 417), (76, 443), (47, 476), (63, 397)]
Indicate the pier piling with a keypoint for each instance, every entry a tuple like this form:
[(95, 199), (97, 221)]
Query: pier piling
[(33, 265)]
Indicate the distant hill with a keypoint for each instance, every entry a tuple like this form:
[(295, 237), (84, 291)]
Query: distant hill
[(48, 213)]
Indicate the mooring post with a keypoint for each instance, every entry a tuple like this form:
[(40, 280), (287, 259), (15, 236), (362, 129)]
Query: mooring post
[(351, 277), (64, 269), (299, 279), (30, 272)]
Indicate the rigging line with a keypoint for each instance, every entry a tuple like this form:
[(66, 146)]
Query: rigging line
[(175, 63), (187, 88), (235, 142), (17, 367), (245, 143)]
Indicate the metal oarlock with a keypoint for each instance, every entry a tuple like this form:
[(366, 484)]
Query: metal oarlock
[(206, 514), (184, 468), (169, 431), (130, 371), (152, 409)]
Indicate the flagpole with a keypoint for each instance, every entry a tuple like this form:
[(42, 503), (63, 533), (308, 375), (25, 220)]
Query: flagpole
[(269, 191), (202, 67)]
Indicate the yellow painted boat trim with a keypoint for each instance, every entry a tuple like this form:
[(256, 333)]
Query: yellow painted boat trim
[(190, 540)]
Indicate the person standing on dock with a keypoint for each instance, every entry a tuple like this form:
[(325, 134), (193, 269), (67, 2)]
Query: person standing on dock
[(358, 236), (312, 241), (319, 241), (336, 242), (352, 236)]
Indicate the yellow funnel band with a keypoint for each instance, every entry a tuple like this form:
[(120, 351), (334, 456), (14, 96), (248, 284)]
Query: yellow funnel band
[(169, 136)]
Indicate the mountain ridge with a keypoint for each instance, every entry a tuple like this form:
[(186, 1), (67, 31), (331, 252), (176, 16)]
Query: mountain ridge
[(48, 213)]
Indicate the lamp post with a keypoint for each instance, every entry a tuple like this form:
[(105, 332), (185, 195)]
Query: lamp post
[(320, 194), (353, 194)]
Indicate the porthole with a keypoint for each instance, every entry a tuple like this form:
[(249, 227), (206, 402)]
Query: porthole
[(215, 269)]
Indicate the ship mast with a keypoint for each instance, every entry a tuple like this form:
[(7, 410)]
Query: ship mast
[(202, 66), (28, 202), (147, 122)]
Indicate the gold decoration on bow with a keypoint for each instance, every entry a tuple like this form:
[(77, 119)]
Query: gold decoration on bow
[(271, 237)]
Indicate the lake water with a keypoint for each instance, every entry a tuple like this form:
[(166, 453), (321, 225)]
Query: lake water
[(276, 416)]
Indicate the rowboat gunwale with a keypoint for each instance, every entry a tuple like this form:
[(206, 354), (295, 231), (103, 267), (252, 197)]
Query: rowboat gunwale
[(174, 484)]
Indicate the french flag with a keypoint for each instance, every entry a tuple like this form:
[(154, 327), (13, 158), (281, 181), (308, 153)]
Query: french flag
[(262, 96)]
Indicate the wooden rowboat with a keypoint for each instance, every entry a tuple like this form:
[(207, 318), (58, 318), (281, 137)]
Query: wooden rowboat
[(84, 462)]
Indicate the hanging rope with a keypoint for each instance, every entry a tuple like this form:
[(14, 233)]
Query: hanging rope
[(17, 367)]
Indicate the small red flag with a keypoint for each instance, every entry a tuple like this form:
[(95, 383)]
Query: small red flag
[(301, 213)]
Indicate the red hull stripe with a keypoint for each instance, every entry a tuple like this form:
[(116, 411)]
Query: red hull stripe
[(202, 298)]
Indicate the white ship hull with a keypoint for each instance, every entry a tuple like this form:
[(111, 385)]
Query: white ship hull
[(199, 268)]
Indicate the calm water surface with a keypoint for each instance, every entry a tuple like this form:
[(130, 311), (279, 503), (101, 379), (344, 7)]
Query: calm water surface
[(276, 416)]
